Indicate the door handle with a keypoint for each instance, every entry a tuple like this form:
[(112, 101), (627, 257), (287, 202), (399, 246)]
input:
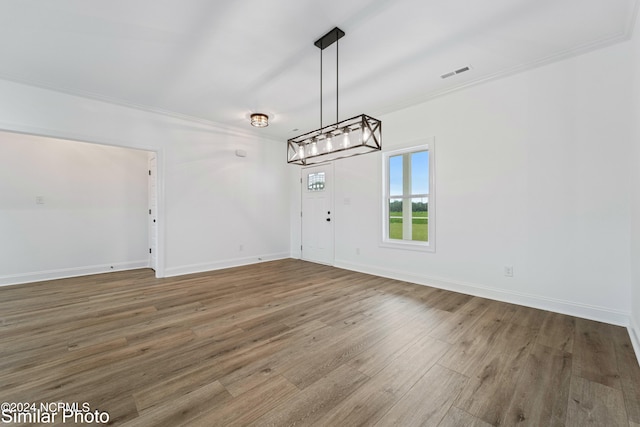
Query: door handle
[(328, 219)]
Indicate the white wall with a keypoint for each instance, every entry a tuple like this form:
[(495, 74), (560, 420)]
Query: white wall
[(532, 171), (211, 201), (225, 210), (635, 195), (90, 216)]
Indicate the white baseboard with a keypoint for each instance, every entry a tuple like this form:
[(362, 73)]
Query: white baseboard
[(600, 314), (218, 265), (634, 334), (39, 276)]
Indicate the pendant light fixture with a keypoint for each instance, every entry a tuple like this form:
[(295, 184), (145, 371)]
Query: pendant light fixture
[(357, 135)]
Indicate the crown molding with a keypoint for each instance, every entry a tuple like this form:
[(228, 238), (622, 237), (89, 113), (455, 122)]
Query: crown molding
[(517, 69), (634, 9), (626, 34), (229, 129)]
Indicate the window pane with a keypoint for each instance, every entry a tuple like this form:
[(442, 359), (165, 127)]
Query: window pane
[(315, 181), (420, 172), (407, 175), (420, 219), (395, 176), (395, 219)]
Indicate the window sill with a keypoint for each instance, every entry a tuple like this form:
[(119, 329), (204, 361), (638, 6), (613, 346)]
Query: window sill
[(408, 245)]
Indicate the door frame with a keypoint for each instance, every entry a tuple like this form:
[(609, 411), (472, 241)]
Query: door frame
[(152, 221)]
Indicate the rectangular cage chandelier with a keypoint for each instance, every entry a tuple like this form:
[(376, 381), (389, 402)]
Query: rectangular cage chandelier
[(358, 135)]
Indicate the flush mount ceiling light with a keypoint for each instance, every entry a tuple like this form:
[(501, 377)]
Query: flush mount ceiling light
[(259, 120), (357, 135)]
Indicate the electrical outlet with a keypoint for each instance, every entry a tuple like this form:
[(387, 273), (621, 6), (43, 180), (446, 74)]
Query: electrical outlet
[(508, 271), (241, 248), (357, 251)]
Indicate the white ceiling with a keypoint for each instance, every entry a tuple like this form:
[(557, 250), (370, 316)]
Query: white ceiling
[(220, 61)]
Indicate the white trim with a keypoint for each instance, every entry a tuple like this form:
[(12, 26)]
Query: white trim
[(634, 330), (219, 265), (160, 198), (601, 314), (634, 9), (517, 69), (407, 245), (152, 227), (424, 144), (63, 273), (231, 129), (70, 136)]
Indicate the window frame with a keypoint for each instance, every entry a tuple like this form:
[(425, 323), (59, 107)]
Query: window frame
[(415, 245)]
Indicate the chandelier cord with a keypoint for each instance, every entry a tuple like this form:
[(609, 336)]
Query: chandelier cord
[(337, 83), (321, 88), (337, 87)]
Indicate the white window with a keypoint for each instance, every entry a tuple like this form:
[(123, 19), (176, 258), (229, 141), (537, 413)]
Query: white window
[(315, 181), (409, 198)]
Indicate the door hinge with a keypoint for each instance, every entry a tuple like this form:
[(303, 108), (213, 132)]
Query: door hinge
[(149, 172), (149, 211), (300, 247), (149, 250), (300, 214)]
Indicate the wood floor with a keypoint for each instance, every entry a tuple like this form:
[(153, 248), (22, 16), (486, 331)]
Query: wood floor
[(294, 343)]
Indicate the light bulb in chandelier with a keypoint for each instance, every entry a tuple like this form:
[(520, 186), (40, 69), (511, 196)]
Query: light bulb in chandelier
[(365, 135), (345, 139)]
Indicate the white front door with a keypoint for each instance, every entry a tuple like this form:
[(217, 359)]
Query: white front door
[(317, 214)]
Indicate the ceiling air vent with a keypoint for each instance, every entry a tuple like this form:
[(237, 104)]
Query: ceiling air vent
[(453, 73)]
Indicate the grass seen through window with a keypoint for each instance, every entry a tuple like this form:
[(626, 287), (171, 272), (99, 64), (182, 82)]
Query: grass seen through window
[(419, 219)]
